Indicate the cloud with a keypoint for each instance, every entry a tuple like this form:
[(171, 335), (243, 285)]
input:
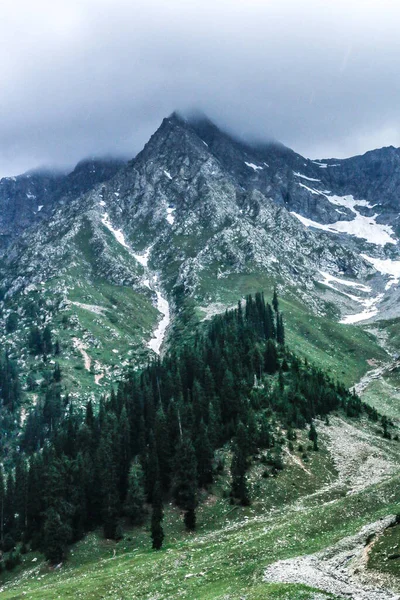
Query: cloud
[(93, 77)]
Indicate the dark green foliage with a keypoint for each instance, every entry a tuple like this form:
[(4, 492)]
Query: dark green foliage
[(107, 460), (313, 436), (47, 341), (185, 484), (239, 466), (275, 302), (56, 537), (40, 342), (12, 322), (10, 390), (156, 435), (280, 329), (13, 559), (35, 341), (57, 373), (134, 505), (204, 456), (157, 516)]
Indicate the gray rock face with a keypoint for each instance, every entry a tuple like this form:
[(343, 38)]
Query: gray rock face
[(30, 198), (205, 205)]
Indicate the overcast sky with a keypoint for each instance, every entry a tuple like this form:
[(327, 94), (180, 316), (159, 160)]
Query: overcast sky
[(89, 77)]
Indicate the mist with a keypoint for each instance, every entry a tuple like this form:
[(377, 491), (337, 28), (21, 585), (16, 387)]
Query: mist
[(96, 77)]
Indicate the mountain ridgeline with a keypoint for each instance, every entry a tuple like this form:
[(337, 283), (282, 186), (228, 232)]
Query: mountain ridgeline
[(104, 255), (159, 436)]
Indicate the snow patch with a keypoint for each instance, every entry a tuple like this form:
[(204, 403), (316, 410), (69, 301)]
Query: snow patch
[(253, 166), (370, 310), (167, 174), (163, 307), (387, 267), (143, 259), (359, 286), (319, 164), (117, 233), (361, 227), (305, 176), (317, 192), (39, 208), (370, 304), (170, 215)]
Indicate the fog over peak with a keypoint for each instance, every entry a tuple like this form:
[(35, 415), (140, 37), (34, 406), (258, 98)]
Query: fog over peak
[(96, 77)]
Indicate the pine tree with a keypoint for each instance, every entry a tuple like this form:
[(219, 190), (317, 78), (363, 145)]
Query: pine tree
[(35, 340), (280, 329), (12, 322), (56, 537), (157, 516), (271, 357), (57, 373), (108, 479), (275, 302), (163, 448), (152, 470), (204, 456), (134, 505), (239, 466), (47, 340), (124, 452), (313, 436), (35, 495), (21, 494), (185, 488)]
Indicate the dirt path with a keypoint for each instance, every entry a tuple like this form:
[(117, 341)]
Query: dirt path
[(99, 372), (86, 358), (339, 569)]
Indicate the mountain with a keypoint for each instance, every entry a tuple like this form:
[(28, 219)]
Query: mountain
[(119, 253), (126, 276), (30, 198)]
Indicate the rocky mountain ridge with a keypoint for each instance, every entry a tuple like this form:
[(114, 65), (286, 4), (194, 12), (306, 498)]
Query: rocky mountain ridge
[(192, 216)]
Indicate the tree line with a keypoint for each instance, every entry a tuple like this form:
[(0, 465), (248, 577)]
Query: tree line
[(156, 436)]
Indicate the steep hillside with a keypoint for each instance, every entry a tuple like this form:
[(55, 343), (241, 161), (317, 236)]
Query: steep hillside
[(116, 264), (193, 223)]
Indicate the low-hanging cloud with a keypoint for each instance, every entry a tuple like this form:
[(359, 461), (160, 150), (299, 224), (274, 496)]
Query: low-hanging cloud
[(95, 77)]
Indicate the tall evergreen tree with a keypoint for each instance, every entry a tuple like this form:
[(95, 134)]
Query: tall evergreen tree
[(275, 302), (108, 480), (185, 488), (313, 436), (157, 516), (239, 466), (134, 505), (56, 537), (204, 456)]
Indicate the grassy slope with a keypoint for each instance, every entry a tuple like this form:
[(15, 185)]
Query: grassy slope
[(231, 548), (342, 350), (226, 557), (112, 338), (385, 554)]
